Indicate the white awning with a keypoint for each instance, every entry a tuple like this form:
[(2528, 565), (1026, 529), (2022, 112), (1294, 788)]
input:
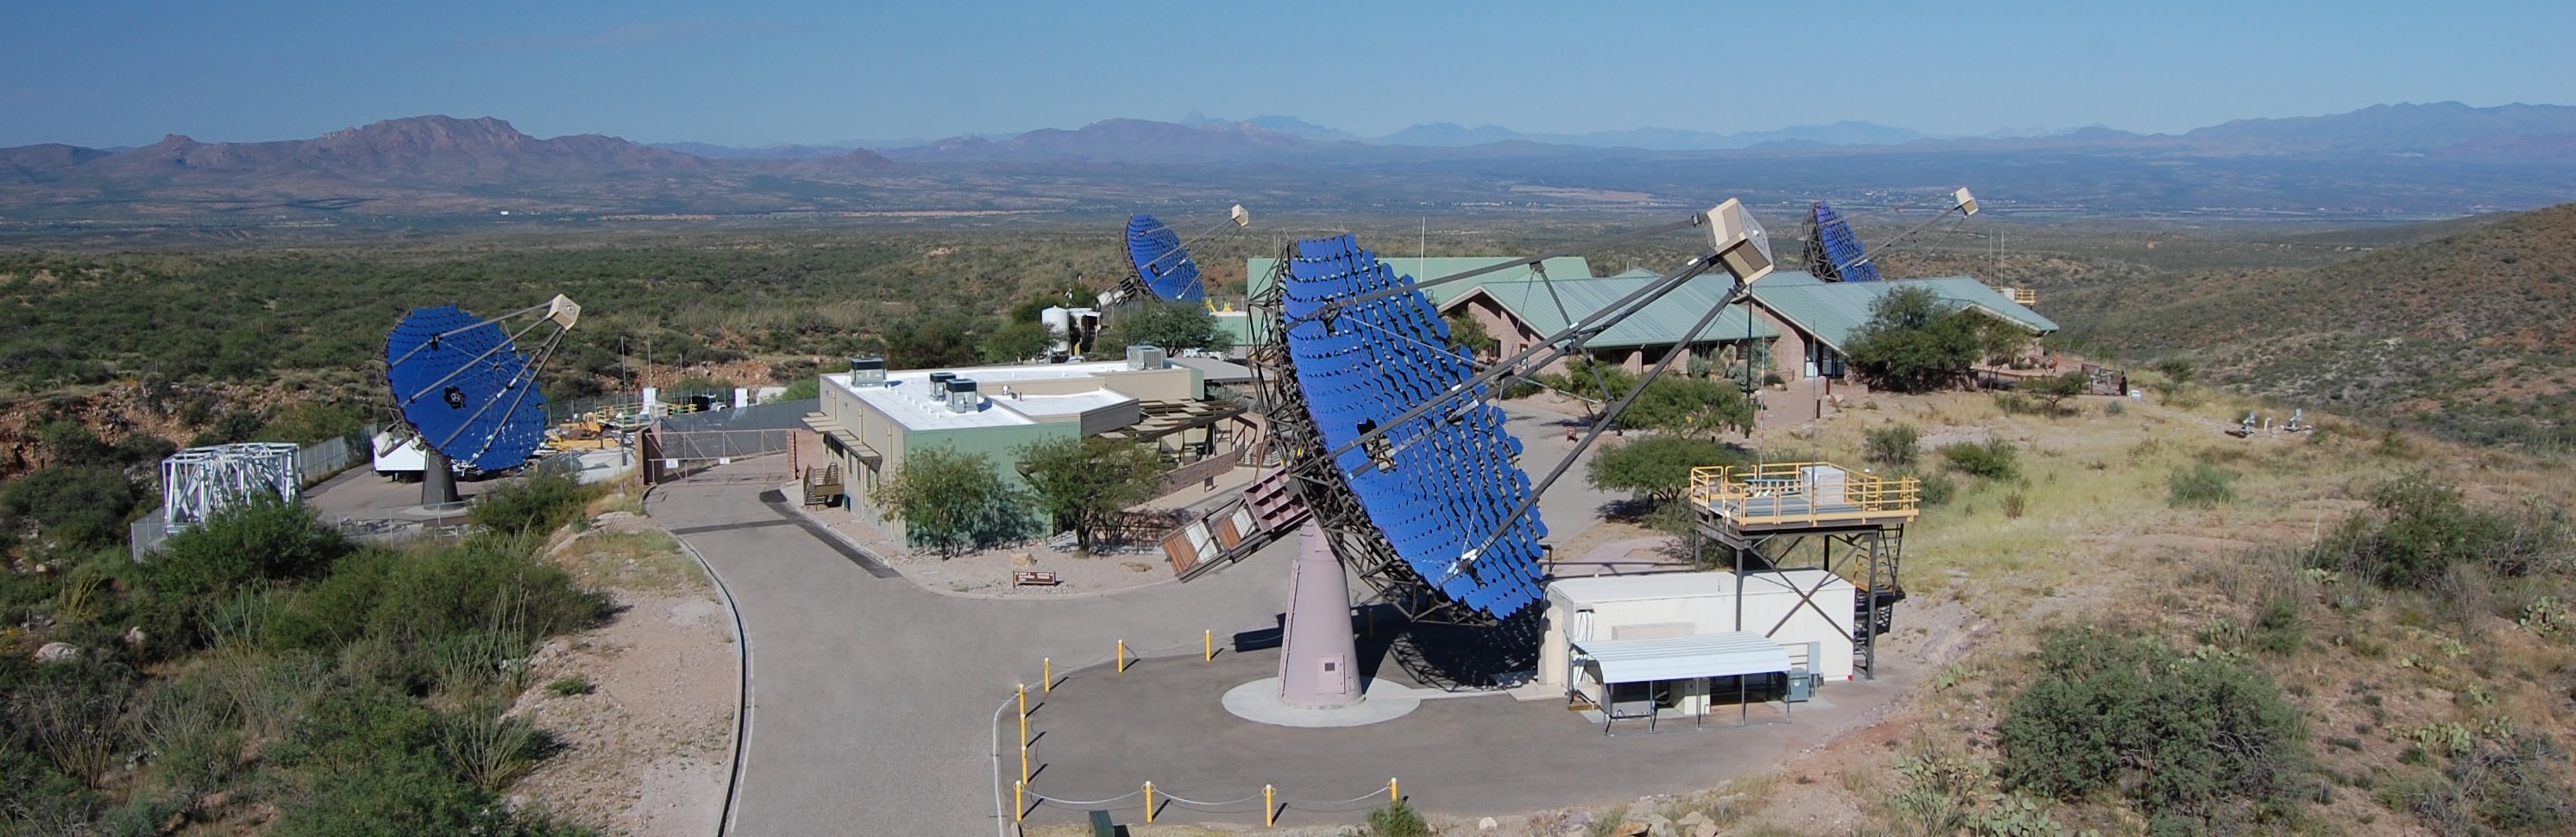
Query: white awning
[(1683, 658)]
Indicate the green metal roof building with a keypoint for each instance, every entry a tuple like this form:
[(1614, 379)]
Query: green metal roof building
[(1816, 318), (1257, 272), (1520, 313)]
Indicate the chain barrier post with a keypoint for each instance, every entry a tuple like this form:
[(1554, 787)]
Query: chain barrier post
[(1394, 792), (1019, 801), (1122, 656), (1049, 673), (1269, 807), (1210, 641), (1149, 803), (1024, 733)]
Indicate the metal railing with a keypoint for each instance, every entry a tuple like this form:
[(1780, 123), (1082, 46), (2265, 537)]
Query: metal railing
[(1790, 493)]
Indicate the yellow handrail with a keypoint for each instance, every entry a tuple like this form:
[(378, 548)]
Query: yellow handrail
[(1782, 492)]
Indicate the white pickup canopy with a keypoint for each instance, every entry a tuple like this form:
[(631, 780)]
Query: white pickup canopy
[(1682, 658)]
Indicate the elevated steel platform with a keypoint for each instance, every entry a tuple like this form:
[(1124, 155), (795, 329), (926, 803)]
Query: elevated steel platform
[(1762, 516)]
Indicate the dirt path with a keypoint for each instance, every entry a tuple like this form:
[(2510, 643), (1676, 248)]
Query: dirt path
[(647, 747)]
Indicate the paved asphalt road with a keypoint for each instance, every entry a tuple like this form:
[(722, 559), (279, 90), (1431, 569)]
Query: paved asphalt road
[(872, 700)]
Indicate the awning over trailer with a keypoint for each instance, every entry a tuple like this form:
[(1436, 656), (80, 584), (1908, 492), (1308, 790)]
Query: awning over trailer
[(1682, 658)]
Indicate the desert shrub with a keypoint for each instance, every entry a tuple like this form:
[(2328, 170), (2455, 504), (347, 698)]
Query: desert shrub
[(1893, 445), (952, 502), (2200, 485), (571, 685), (1915, 342), (69, 713), (2279, 624), (802, 388), (537, 502), (2014, 504), (419, 600), (1397, 819), (1690, 406), (2115, 408), (2186, 738), (2418, 528), (1656, 468), (488, 750), (80, 505), (1994, 459), (1936, 489), (36, 798), (262, 539)]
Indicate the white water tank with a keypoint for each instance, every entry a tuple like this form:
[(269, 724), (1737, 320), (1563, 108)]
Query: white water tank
[(1059, 325)]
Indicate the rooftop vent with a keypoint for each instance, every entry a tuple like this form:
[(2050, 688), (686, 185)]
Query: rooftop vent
[(1144, 357), (867, 371), (961, 395)]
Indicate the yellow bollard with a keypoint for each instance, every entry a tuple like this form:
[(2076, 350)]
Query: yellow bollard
[(1211, 646), (1019, 801), (1149, 803), (1122, 656), (1049, 673), (1024, 701), (1269, 807), (1394, 792)]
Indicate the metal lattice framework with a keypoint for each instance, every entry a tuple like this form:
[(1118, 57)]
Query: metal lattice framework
[(1834, 252), (198, 482)]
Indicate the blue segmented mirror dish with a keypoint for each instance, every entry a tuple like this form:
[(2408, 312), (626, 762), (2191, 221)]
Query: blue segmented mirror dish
[(1844, 259), (465, 389), (1437, 485), (1160, 261)]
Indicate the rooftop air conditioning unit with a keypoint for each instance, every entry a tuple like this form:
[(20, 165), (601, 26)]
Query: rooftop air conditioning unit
[(961, 395), (867, 371), (1144, 357)]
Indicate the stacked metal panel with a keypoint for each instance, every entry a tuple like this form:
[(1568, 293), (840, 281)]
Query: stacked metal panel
[(1845, 260), (467, 390), (1160, 261), (1440, 484)]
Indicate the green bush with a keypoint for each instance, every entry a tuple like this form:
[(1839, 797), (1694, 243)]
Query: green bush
[(952, 502), (444, 595), (262, 539), (1937, 488), (1893, 445), (1397, 819), (2191, 738), (537, 502), (2418, 529), (1994, 458), (802, 388), (80, 505), (2200, 485)]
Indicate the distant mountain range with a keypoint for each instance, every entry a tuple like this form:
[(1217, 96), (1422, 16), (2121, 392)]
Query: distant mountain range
[(2392, 160)]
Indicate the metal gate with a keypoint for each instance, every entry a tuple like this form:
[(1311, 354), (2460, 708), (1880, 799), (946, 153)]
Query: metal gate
[(744, 456)]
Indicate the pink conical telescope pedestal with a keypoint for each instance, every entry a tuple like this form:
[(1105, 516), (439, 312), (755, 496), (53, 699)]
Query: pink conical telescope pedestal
[(1318, 662)]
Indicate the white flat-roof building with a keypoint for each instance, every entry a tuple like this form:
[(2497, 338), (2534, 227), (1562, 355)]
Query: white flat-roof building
[(1664, 637), (870, 419)]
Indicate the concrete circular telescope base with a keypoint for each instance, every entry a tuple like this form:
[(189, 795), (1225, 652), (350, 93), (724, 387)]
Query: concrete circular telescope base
[(1259, 701)]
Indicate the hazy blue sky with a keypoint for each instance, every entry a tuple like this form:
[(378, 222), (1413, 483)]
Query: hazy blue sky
[(98, 72)]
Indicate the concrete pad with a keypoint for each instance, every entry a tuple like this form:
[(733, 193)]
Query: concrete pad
[(1259, 701), (1102, 733)]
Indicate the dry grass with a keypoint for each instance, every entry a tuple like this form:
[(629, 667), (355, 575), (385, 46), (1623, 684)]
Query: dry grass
[(648, 560), (2100, 542)]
